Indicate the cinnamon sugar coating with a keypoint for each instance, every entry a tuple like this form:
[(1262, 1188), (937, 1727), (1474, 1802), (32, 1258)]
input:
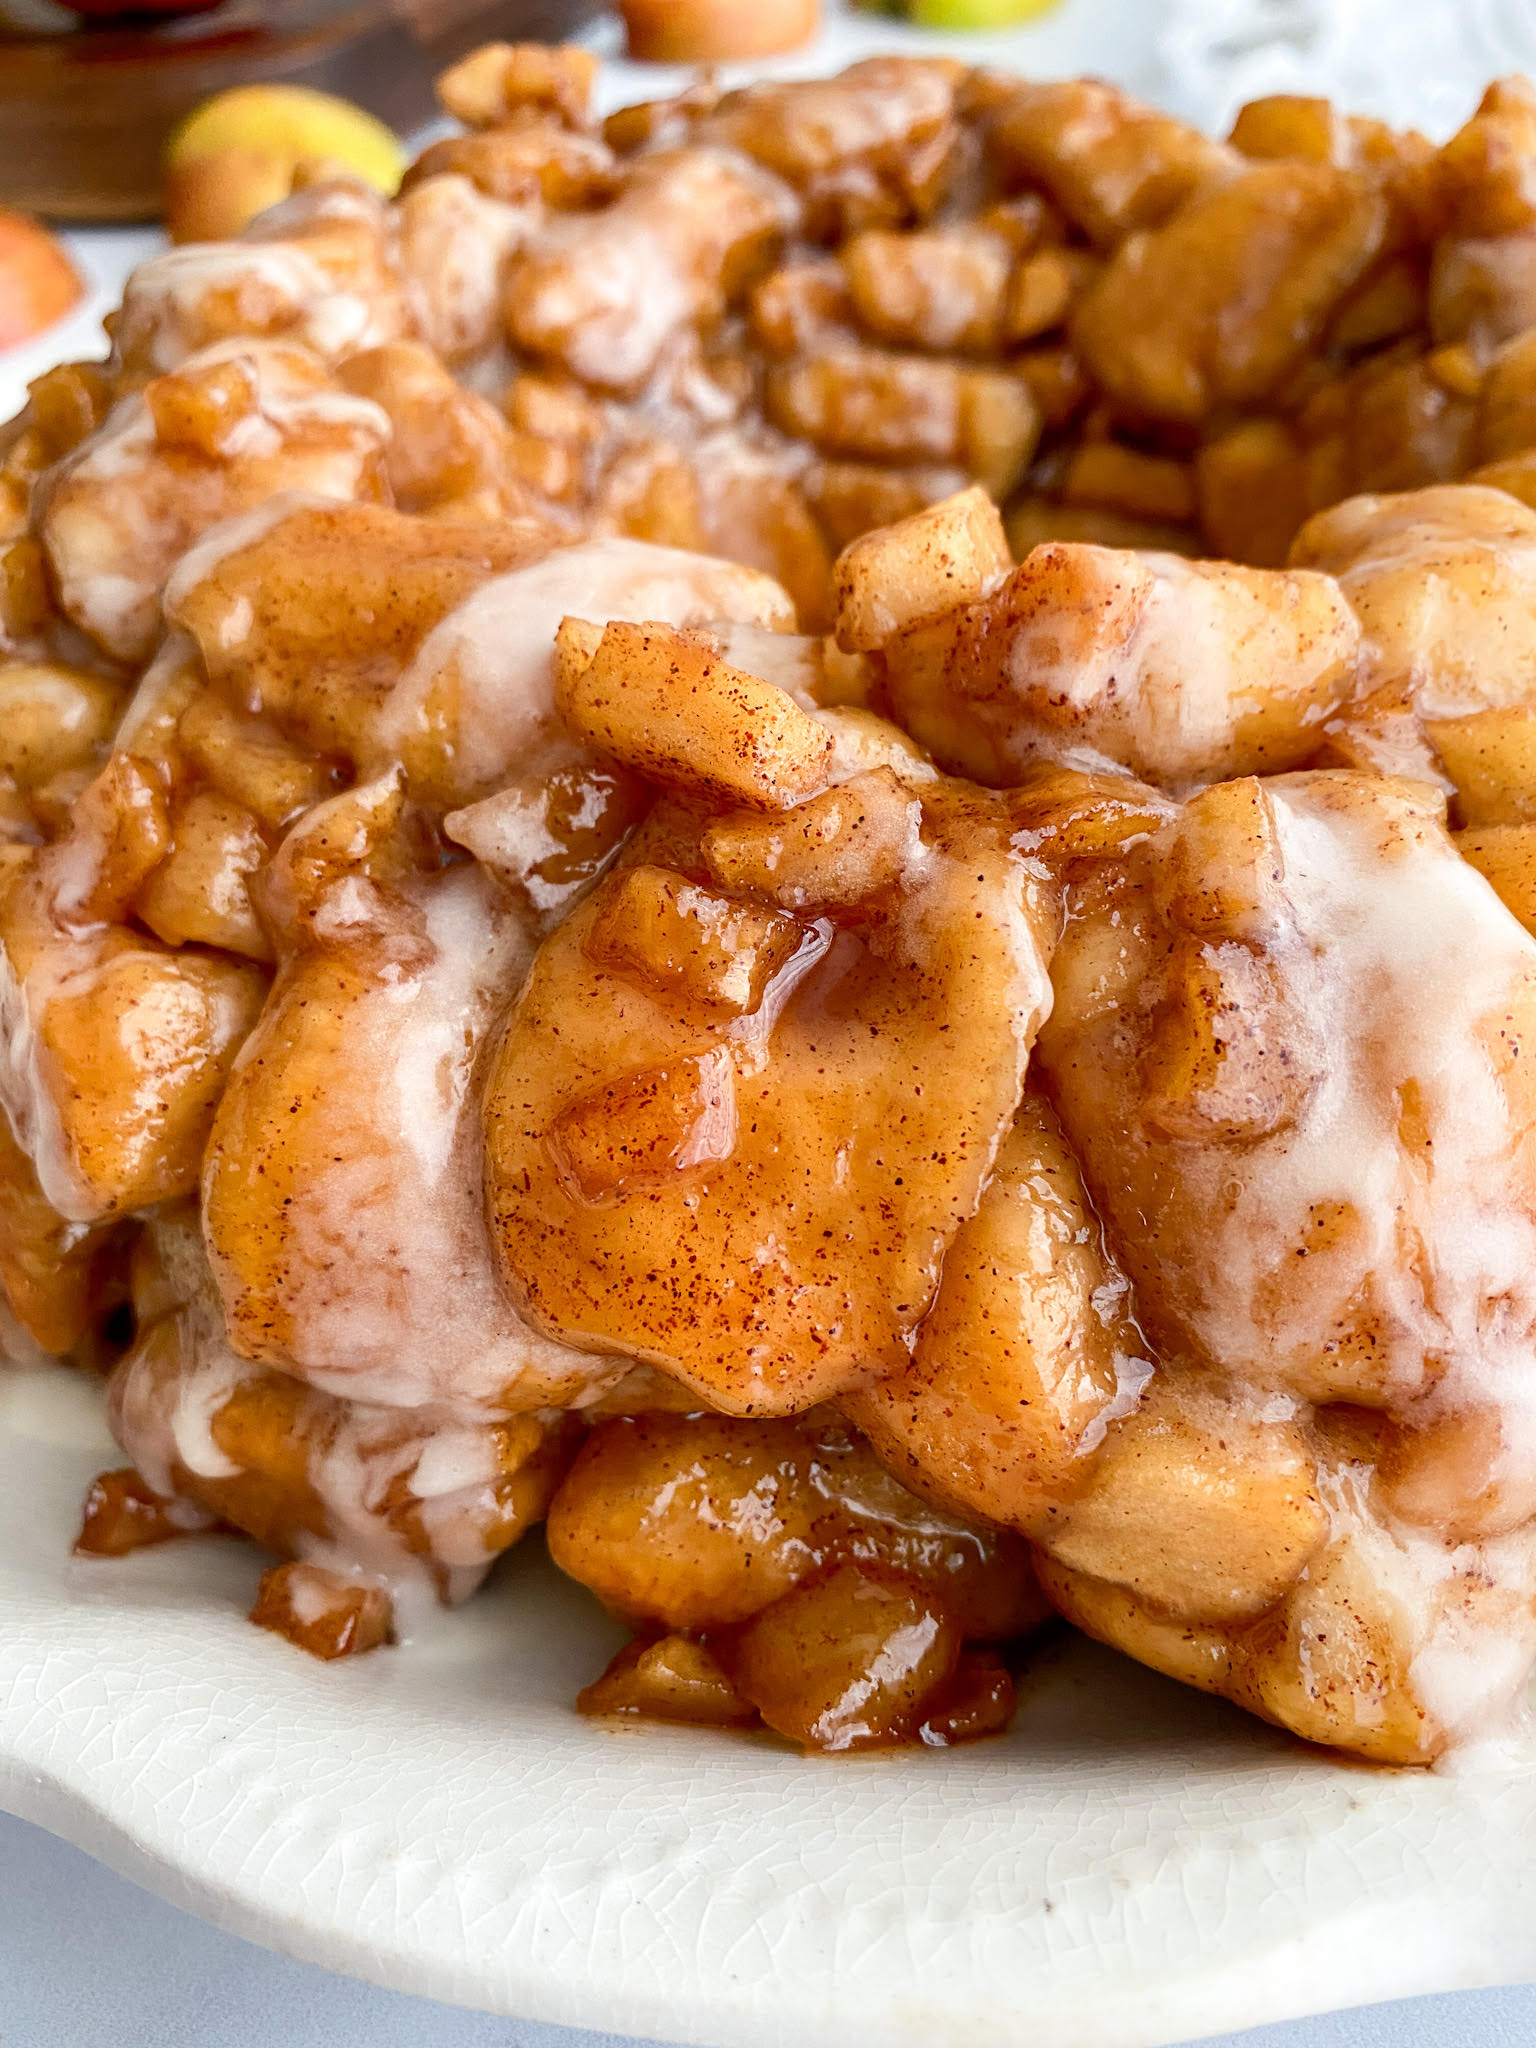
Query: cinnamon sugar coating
[(801, 827)]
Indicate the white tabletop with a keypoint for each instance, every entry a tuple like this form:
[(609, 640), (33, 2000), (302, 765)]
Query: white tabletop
[(87, 1959)]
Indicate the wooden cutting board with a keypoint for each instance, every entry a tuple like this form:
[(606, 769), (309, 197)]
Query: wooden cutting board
[(85, 108)]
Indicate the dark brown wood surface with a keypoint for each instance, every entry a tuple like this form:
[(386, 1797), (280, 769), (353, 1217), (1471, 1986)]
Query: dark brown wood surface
[(85, 110)]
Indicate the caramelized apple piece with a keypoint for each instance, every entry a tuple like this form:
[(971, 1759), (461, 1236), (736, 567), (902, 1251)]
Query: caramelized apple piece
[(250, 763), (848, 1661), (122, 1515), (851, 400), (672, 936), (647, 1129), (202, 892), (697, 1522), (664, 704), (322, 1611), (673, 1678), (53, 719), (978, 1701), (909, 574), (832, 854), (551, 832), (498, 80)]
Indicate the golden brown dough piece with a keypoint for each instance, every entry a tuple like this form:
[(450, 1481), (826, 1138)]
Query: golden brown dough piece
[(756, 1082), (775, 1568), (1175, 670), (314, 270), (229, 429), (1320, 1178), (1028, 1355), (1443, 582), (600, 294), (352, 1259), (116, 1047), (363, 633), (407, 1501), (1109, 162)]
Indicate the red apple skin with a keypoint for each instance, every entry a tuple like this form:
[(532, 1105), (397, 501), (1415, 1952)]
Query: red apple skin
[(38, 283)]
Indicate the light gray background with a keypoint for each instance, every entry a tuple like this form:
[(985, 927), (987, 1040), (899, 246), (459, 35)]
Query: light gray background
[(90, 1961)]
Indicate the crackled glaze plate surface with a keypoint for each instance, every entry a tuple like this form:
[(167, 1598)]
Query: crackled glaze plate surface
[(1133, 1865)]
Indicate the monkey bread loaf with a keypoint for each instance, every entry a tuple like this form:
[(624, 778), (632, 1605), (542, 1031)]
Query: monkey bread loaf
[(798, 831)]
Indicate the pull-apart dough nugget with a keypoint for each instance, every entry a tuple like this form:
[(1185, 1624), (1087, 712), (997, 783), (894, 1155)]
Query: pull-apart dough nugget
[(757, 1194)]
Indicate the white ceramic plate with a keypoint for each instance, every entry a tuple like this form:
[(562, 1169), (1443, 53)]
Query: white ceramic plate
[(1133, 1865)]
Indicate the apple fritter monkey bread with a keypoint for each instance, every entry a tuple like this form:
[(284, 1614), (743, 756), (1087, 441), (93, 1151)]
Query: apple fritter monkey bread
[(799, 830)]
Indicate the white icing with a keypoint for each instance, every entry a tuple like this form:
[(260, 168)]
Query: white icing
[(490, 663), (166, 302), (1396, 1209), (202, 1397), (228, 536), (163, 296), (607, 290), (389, 1287), (157, 689), (119, 510), (1156, 663), (359, 1459), (454, 243), (1406, 962), (25, 1095)]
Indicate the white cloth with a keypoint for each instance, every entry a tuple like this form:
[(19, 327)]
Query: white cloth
[(1419, 62)]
